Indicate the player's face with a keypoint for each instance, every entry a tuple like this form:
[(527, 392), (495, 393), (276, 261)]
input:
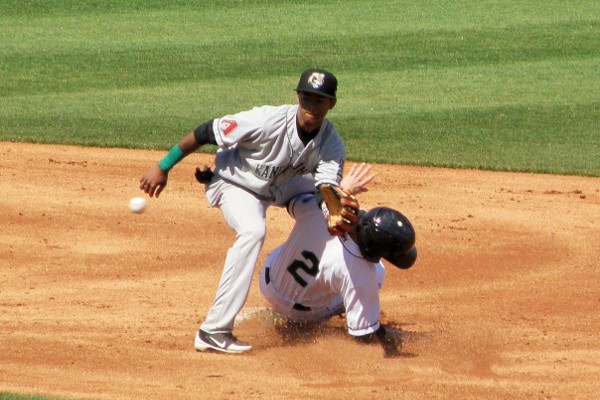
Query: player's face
[(313, 110)]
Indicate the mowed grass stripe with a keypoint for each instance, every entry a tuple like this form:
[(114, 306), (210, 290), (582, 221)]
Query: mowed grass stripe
[(535, 139), (148, 64)]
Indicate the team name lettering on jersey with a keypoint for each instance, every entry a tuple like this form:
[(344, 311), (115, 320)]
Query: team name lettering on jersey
[(270, 172), (267, 171)]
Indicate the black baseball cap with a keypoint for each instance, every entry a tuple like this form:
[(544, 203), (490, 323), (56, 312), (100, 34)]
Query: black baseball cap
[(318, 81)]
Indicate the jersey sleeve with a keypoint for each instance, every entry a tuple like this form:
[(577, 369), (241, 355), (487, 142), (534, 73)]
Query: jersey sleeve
[(360, 291), (245, 126), (331, 165)]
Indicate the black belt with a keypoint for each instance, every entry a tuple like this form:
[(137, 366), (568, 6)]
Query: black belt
[(296, 306)]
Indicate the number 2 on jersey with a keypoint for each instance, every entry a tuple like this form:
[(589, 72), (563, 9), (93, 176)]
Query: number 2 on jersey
[(312, 270)]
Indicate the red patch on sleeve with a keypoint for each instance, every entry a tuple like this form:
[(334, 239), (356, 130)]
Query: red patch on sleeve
[(227, 125)]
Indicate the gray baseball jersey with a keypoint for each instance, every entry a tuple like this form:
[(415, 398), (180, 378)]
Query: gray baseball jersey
[(260, 149), (260, 154), (314, 275)]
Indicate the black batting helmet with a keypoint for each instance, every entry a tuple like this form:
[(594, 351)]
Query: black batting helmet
[(386, 233)]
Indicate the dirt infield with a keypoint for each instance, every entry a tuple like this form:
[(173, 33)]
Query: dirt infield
[(97, 302)]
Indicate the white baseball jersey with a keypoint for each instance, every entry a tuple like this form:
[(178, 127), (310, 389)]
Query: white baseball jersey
[(314, 275), (260, 149)]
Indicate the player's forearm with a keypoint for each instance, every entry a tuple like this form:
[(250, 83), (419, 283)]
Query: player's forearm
[(185, 146)]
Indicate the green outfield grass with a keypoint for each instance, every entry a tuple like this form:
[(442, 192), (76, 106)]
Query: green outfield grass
[(12, 396), (503, 85), (472, 84)]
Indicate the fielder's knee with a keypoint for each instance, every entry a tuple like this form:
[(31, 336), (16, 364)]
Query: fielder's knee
[(252, 235)]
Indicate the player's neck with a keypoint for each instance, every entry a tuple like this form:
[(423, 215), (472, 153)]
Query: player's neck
[(304, 135)]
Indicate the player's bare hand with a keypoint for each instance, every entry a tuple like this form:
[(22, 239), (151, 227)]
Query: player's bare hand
[(357, 178), (154, 181)]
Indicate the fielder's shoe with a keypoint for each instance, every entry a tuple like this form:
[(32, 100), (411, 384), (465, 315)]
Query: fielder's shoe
[(224, 342)]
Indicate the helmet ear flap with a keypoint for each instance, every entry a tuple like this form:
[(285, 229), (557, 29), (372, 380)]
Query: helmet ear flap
[(406, 260), (365, 235)]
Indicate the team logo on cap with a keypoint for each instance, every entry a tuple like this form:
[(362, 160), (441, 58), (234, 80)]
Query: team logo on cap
[(316, 79)]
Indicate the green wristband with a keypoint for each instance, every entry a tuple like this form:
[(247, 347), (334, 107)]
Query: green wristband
[(173, 157)]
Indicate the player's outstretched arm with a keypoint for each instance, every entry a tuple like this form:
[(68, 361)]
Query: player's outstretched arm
[(155, 179), (356, 180)]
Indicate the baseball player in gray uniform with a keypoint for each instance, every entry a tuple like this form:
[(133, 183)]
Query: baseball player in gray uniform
[(260, 150), (314, 275)]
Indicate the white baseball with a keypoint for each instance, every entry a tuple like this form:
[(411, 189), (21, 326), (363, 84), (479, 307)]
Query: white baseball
[(138, 204)]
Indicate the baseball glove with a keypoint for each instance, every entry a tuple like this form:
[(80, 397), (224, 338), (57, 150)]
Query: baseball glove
[(341, 209), (205, 175)]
